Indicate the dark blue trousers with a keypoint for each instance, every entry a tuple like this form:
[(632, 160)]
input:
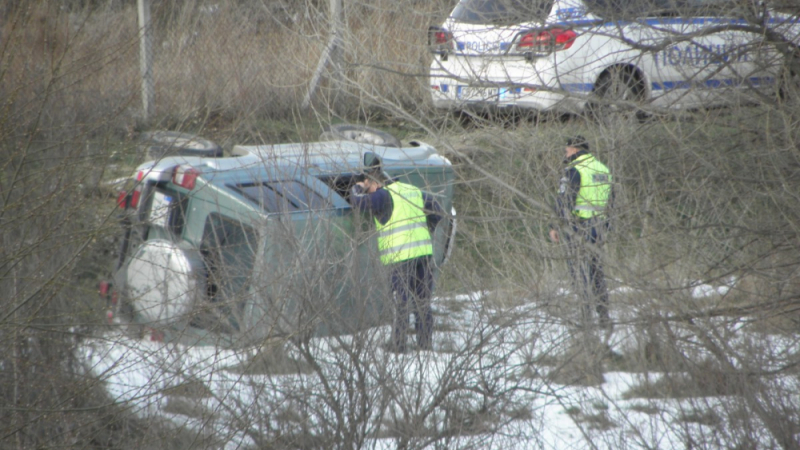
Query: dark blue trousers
[(586, 268), (412, 287)]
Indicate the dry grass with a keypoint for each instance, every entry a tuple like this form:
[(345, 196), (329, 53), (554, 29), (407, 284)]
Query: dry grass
[(214, 65)]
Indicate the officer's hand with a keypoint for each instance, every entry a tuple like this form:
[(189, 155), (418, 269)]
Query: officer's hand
[(554, 235), (358, 188)]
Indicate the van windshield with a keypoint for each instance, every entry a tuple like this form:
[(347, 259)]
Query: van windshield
[(502, 12)]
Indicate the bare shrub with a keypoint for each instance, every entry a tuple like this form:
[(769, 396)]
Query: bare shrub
[(702, 259)]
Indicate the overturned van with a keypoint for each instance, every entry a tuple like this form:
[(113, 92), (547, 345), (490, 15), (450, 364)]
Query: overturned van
[(262, 243)]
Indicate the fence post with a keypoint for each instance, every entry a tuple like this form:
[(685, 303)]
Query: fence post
[(331, 54), (146, 58)]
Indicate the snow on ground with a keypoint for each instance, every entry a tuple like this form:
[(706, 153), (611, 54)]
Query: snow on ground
[(198, 387)]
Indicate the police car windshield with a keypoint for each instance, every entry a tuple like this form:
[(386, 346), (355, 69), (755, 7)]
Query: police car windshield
[(502, 12)]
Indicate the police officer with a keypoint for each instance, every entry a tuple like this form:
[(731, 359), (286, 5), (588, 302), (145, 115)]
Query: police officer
[(405, 218), (582, 208)]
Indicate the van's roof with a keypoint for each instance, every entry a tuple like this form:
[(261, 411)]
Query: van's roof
[(315, 158), (345, 155)]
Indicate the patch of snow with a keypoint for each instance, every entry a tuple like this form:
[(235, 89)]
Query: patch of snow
[(145, 376)]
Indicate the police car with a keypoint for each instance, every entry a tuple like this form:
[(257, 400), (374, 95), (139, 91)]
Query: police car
[(573, 55)]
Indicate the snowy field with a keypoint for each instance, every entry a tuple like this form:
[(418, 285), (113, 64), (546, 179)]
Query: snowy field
[(495, 380)]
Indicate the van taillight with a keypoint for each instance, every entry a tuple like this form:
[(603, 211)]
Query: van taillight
[(185, 176), (122, 199), (546, 41), (137, 191), (103, 288), (135, 197), (131, 200)]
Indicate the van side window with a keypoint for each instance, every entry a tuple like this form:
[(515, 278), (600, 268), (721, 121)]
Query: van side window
[(228, 247), (283, 196), (341, 183), (167, 211)]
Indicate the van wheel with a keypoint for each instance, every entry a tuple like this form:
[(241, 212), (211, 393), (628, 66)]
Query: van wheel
[(160, 144), (618, 92), (359, 133)]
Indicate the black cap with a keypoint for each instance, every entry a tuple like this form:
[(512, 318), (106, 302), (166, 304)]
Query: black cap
[(578, 142), (373, 167)]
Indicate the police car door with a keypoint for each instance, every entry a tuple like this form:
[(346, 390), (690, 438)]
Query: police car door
[(702, 58)]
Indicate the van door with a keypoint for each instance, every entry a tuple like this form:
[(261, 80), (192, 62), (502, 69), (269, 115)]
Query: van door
[(228, 247), (317, 271)]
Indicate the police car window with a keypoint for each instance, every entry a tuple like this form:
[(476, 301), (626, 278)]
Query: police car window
[(502, 11), (630, 9), (283, 196), (715, 7), (784, 6)]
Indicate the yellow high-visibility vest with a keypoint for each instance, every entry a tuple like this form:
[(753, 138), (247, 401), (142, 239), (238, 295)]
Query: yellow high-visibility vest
[(595, 190), (405, 235)]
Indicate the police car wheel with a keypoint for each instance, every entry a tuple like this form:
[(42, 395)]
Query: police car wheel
[(618, 91), (160, 144), (359, 133)]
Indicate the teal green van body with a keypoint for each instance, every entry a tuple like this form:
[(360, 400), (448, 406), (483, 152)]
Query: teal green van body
[(263, 244)]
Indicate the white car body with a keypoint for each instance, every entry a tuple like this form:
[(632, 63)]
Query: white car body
[(670, 61)]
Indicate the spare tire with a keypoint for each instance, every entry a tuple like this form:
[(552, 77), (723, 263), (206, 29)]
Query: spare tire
[(160, 144), (359, 133), (164, 282)]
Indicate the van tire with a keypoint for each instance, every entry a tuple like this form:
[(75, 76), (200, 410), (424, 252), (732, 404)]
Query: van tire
[(359, 133), (160, 144)]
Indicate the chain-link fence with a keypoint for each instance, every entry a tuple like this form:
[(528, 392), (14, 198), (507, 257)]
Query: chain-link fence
[(236, 59)]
